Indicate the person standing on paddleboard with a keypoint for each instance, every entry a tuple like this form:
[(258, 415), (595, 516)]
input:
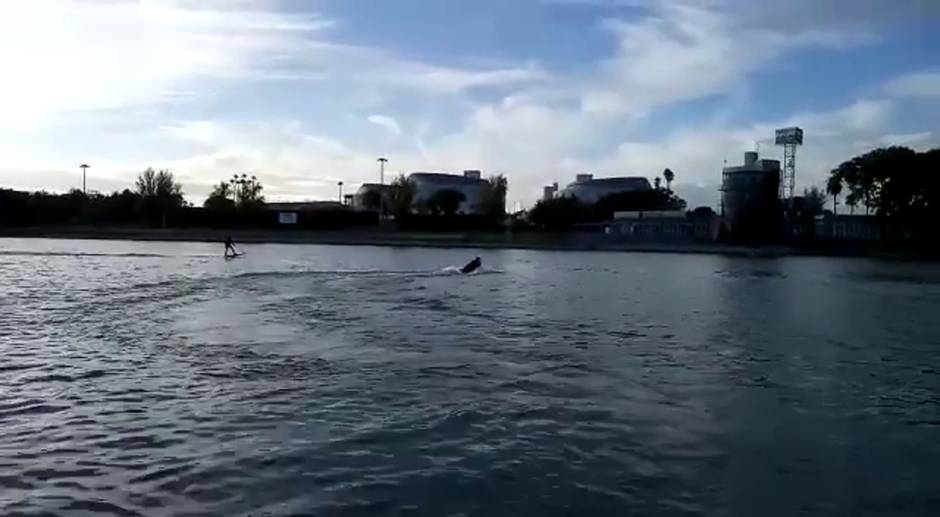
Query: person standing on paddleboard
[(230, 250)]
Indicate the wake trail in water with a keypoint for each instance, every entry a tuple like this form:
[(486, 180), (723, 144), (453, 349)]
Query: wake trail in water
[(92, 254)]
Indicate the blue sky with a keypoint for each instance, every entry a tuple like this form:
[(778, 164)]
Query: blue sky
[(307, 93)]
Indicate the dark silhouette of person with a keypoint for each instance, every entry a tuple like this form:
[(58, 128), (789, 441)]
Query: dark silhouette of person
[(472, 266), (230, 250)]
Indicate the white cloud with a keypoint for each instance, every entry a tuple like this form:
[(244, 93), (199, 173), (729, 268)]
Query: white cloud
[(907, 138), (686, 50), (923, 84), (385, 122), (203, 131), (71, 55)]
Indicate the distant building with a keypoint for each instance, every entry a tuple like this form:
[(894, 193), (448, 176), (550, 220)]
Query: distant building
[(549, 192), (470, 184), (666, 226), (587, 189), (291, 212), (317, 214), (749, 198)]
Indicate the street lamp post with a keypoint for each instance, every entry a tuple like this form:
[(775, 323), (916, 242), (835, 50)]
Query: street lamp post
[(382, 161), (340, 185), (84, 167)]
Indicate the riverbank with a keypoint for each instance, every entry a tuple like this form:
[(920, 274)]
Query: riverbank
[(572, 241)]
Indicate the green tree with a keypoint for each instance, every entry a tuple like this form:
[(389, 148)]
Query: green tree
[(669, 176)]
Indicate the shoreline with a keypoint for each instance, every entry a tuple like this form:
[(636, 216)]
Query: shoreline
[(457, 240)]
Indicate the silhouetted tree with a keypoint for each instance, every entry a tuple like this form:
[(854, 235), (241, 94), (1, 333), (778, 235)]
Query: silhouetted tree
[(560, 213), (494, 197), (900, 185), (889, 181), (401, 196), (372, 200), (814, 201), (669, 176), (834, 188), (247, 192), (159, 193), (702, 212), (566, 211), (637, 200), (446, 202), (221, 199)]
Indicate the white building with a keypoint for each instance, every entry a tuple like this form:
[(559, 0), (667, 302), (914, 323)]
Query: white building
[(470, 184)]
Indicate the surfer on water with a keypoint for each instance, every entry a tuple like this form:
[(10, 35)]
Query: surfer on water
[(230, 250), (472, 266)]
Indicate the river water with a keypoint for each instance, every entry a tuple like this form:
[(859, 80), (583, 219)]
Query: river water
[(159, 379)]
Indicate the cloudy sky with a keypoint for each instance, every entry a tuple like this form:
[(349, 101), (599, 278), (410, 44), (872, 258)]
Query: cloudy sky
[(305, 93)]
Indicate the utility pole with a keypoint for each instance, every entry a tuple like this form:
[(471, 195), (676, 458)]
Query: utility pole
[(84, 167), (340, 185)]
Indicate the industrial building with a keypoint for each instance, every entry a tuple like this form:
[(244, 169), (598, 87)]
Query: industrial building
[(587, 189), (750, 202)]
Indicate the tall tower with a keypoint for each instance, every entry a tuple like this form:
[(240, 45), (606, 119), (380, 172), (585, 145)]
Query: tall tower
[(789, 138)]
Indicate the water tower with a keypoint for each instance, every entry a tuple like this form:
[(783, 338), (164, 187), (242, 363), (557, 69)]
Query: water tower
[(789, 138)]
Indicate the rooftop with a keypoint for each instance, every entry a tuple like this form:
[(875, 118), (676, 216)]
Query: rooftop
[(444, 178)]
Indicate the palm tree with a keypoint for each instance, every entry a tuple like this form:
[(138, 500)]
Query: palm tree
[(669, 175), (834, 188), (657, 182)]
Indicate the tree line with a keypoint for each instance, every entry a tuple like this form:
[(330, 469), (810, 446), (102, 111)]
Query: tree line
[(156, 198), (897, 184)]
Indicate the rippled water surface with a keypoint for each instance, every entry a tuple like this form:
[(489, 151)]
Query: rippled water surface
[(159, 379)]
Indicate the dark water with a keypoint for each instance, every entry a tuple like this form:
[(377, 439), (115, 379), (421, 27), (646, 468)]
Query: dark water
[(158, 379)]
